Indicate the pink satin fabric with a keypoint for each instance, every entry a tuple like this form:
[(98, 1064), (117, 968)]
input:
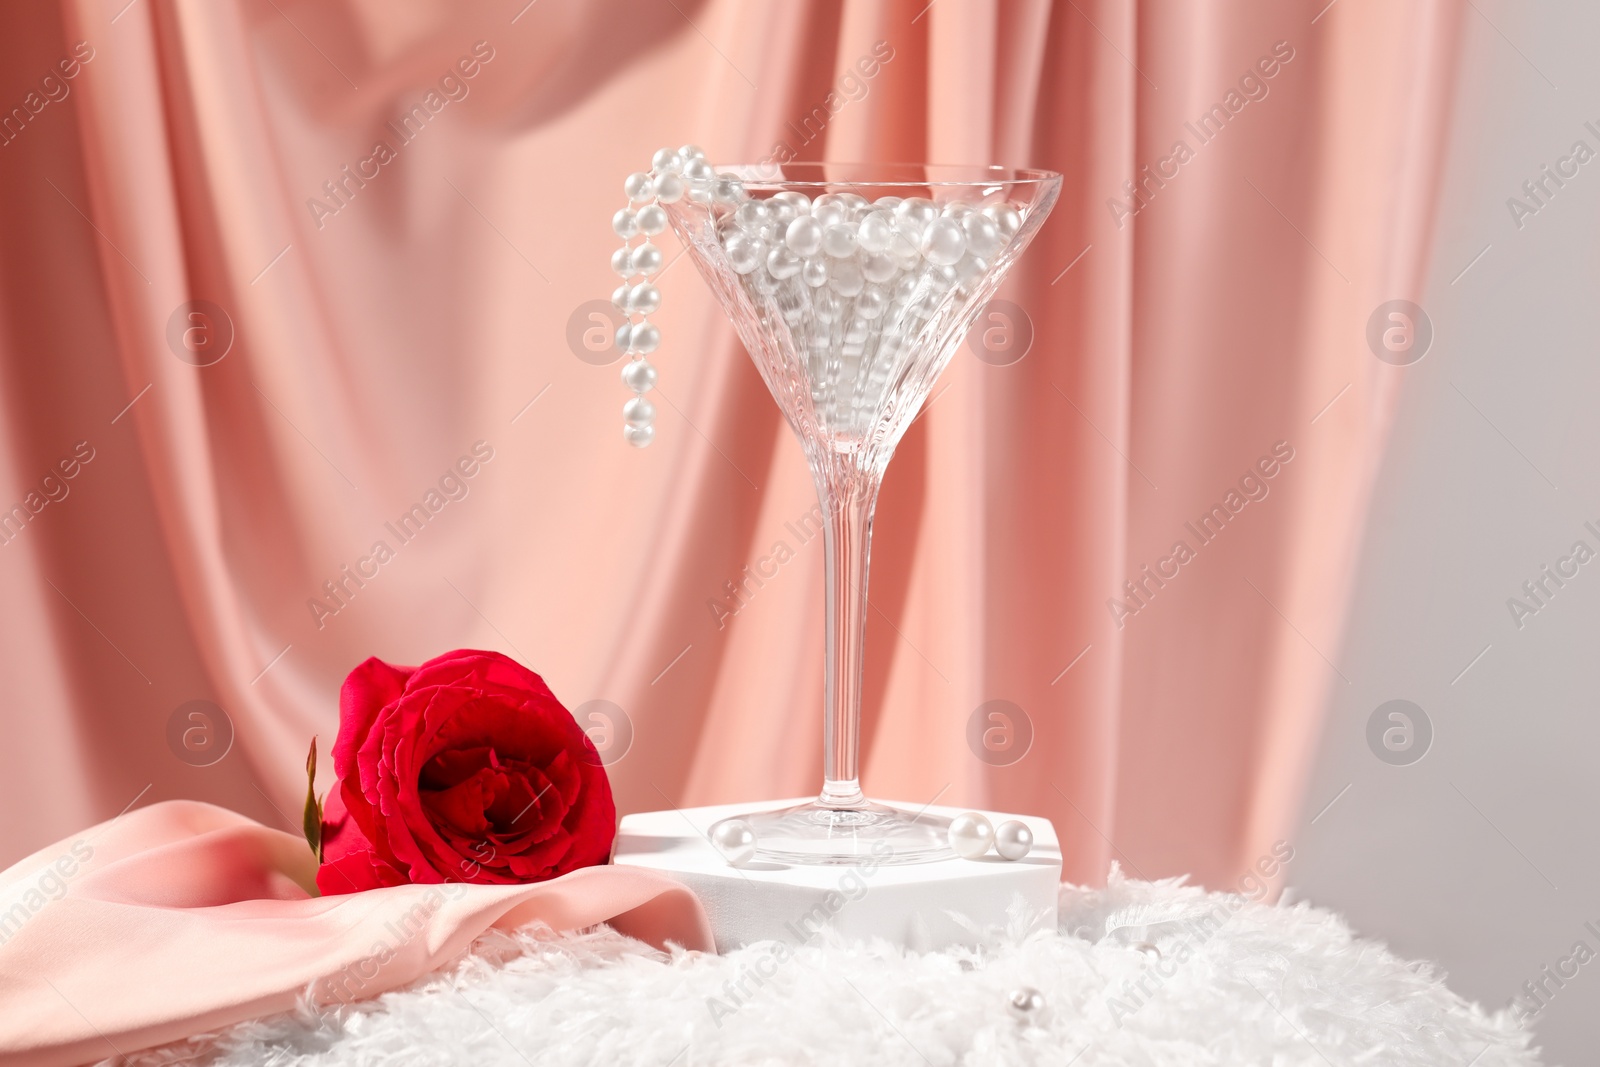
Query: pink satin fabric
[(373, 347), (182, 917)]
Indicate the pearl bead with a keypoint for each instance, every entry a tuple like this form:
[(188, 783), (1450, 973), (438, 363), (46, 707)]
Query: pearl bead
[(638, 186), (1006, 217), (646, 259), (983, 236), (645, 339), (804, 236), (744, 252), (624, 224), (620, 296), (875, 231), (888, 203), (639, 375), (735, 839), (799, 203), (666, 160), (643, 299), (639, 412), (879, 267), (829, 212), (669, 188), (956, 209), (691, 152), (622, 261), (945, 242), (825, 306), (839, 240), (905, 289), (652, 219), (624, 336), (752, 216), (1012, 839), (1026, 1005), (699, 171), (871, 303), (970, 835), (814, 273), (729, 191), (847, 278), (914, 215), (783, 264), (639, 436)]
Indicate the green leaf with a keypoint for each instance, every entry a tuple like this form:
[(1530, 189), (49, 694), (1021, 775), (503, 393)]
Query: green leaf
[(311, 822)]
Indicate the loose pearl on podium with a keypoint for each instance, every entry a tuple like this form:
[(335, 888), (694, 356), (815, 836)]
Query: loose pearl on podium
[(970, 835), (1013, 840), (736, 840)]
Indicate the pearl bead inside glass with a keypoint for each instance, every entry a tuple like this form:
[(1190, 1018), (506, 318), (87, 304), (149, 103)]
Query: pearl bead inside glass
[(1006, 217), (814, 273), (735, 839), (983, 235), (970, 835), (839, 240), (945, 242), (744, 252), (804, 236), (639, 375), (1013, 840), (783, 264)]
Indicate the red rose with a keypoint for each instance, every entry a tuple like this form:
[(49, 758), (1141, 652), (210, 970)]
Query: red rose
[(465, 769)]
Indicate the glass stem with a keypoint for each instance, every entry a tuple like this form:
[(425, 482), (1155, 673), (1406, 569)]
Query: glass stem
[(847, 507)]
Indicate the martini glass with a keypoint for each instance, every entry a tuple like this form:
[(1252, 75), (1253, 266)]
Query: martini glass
[(852, 285)]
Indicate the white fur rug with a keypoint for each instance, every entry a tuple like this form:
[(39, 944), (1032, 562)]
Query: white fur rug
[(1139, 974)]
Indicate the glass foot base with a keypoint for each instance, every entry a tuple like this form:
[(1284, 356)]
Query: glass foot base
[(871, 833)]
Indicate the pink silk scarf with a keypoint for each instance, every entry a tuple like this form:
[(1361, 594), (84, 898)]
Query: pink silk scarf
[(183, 917)]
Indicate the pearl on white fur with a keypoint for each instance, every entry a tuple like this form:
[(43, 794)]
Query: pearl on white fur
[(735, 839), (1026, 1005), (1012, 839), (970, 835)]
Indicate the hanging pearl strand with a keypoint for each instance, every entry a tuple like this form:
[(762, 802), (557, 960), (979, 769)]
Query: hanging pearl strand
[(673, 173)]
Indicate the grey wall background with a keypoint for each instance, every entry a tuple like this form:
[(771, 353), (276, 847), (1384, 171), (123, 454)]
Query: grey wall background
[(1482, 854)]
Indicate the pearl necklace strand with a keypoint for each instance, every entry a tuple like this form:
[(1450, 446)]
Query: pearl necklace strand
[(674, 173), (843, 257)]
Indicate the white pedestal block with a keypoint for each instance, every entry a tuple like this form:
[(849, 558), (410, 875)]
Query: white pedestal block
[(923, 906)]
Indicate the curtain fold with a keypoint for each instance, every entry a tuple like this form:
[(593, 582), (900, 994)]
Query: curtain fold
[(390, 311)]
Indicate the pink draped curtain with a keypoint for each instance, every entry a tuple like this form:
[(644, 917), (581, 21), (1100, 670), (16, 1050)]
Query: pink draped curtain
[(385, 326)]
